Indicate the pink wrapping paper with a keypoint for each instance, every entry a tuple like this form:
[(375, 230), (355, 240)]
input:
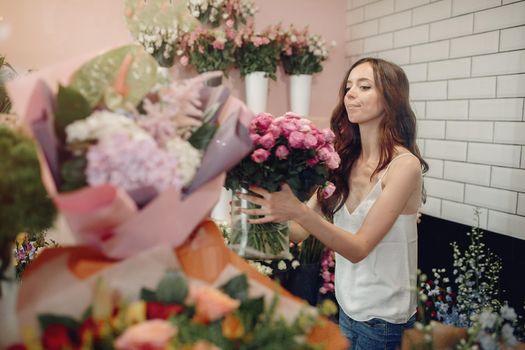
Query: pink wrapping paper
[(106, 217)]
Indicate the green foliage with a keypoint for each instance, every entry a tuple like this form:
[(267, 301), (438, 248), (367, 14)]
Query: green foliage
[(73, 173), (24, 203), (237, 288), (201, 137), (6, 73), (172, 288), (264, 58), (95, 80), (311, 250), (211, 59), (71, 106), (46, 320), (301, 61)]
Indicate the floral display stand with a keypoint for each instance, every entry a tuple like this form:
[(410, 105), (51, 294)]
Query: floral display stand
[(300, 91), (256, 84)]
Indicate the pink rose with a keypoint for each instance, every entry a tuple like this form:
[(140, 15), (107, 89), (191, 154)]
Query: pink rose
[(312, 162), (296, 139), (184, 60), (218, 45), (288, 127), (211, 303), (292, 115), (324, 153), (230, 23), (333, 161), (260, 155), (282, 152), (275, 130), (255, 138), (310, 141), (267, 141), (328, 135), (153, 335), (328, 190), (262, 121)]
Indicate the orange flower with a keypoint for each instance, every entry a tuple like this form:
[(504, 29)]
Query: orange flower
[(211, 303), (232, 327), (151, 335)]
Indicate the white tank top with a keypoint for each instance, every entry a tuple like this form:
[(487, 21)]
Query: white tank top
[(382, 285)]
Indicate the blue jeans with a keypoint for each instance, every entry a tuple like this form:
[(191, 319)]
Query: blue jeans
[(373, 334)]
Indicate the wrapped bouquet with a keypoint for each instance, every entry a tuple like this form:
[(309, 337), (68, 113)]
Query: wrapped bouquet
[(123, 156)]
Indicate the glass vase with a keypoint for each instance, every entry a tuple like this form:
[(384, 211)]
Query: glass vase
[(257, 241)]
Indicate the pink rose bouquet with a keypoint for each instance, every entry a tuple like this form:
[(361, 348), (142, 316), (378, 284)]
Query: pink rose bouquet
[(287, 149)]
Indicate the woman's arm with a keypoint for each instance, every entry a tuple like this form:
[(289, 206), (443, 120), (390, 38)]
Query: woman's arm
[(403, 180), (297, 232)]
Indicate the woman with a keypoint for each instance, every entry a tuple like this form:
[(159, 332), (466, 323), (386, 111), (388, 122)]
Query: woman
[(372, 216)]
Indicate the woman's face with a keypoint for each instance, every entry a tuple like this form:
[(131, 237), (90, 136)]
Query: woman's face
[(363, 101)]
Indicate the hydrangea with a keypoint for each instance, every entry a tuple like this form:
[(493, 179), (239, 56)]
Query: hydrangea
[(131, 164), (188, 159)]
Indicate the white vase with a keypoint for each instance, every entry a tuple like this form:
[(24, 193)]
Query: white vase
[(300, 89), (256, 91)]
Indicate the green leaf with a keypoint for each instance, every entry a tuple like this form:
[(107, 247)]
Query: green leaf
[(46, 320), (237, 287), (203, 135), (71, 106), (73, 174), (95, 79), (250, 311), (172, 288), (148, 295)]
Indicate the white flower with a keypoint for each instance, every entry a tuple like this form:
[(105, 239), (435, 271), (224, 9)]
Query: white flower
[(295, 264), (508, 313), (507, 333), (101, 126), (487, 319), (188, 159), (281, 265)]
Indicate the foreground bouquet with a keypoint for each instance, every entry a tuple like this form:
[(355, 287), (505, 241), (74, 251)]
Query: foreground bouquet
[(120, 150), (178, 314), (302, 53), (287, 149), (91, 301)]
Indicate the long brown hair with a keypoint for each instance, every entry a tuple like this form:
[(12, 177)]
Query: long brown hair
[(397, 128)]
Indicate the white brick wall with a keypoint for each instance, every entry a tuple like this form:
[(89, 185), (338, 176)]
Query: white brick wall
[(465, 60)]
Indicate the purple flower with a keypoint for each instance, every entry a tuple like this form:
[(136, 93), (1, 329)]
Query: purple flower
[(131, 165)]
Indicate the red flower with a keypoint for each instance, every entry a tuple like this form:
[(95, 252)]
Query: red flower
[(56, 337), (89, 326), (158, 310), (16, 347)]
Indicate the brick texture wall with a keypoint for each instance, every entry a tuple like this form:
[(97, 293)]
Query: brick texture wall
[(465, 60)]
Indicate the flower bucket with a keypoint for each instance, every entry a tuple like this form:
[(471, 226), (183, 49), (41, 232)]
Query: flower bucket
[(256, 84), (257, 241), (300, 91)]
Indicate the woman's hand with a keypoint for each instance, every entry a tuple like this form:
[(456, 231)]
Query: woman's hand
[(274, 206)]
